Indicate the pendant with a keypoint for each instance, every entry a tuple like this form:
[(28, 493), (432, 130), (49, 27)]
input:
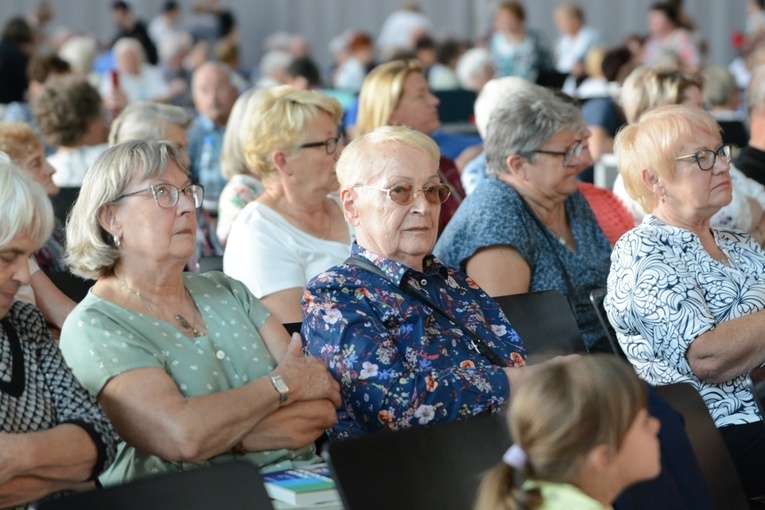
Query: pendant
[(185, 324)]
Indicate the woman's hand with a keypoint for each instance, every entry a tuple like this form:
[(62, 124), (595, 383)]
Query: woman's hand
[(292, 426), (307, 377)]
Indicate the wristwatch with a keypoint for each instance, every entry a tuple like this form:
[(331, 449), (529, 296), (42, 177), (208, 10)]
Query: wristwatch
[(281, 387)]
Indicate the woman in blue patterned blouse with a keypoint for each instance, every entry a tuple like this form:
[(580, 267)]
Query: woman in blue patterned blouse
[(686, 299), (411, 341)]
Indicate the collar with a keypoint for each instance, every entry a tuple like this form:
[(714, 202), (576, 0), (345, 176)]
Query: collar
[(396, 271)]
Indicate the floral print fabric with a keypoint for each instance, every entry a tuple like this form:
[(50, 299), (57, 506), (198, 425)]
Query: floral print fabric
[(665, 290), (398, 363)]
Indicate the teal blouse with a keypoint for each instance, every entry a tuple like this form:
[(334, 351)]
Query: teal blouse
[(101, 340)]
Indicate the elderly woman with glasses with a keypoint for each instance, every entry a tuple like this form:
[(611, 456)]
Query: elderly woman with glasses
[(527, 228), (687, 299), (411, 341), (190, 368), (295, 229)]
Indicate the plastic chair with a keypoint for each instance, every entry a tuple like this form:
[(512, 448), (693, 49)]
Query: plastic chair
[(544, 322), (230, 486), (596, 298), (714, 459), (439, 466)]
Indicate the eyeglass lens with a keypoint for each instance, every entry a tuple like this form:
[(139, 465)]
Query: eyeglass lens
[(406, 194), (707, 158), (166, 195)]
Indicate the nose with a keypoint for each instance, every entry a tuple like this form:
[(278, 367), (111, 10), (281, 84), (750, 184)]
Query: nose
[(185, 203), (721, 165), (434, 100), (21, 270), (656, 424), (49, 170)]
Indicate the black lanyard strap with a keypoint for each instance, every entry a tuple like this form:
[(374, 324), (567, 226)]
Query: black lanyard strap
[(475, 341)]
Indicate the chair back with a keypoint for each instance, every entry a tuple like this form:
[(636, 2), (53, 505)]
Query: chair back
[(439, 466), (74, 287), (545, 323), (596, 298), (455, 106), (711, 452), (756, 380), (230, 486)]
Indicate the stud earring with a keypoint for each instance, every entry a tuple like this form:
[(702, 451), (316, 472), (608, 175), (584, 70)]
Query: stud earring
[(117, 241)]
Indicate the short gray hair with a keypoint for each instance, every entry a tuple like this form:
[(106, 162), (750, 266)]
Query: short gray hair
[(523, 123), (91, 252), (25, 208), (146, 121)]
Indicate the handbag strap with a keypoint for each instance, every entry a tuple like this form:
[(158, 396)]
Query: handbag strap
[(475, 341)]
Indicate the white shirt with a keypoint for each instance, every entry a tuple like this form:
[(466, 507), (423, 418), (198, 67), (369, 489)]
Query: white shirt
[(148, 85), (71, 166), (572, 49), (268, 254)]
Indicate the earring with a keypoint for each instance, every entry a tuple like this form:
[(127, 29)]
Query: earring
[(116, 239)]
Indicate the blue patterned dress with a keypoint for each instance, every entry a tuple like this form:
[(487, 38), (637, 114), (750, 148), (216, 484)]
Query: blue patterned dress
[(665, 290), (398, 363)]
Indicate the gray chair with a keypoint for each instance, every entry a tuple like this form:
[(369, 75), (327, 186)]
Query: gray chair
[(438, 466), (596, 298), (544, 322), (230, 486), (714, 459)]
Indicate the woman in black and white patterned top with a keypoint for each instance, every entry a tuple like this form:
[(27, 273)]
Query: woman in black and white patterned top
[(53, 435)]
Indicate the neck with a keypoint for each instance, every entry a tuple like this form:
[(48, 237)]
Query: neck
[(293, 201), (602, 487), (699, 226), (164, 286)]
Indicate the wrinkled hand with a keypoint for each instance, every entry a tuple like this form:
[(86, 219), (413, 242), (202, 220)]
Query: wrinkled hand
[(307, 377), (292, 426)]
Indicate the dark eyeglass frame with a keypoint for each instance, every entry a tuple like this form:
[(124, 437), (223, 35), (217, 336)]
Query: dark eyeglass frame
[(194, 192), (330, 144), (414, 193), (574, 151), (725, 151)]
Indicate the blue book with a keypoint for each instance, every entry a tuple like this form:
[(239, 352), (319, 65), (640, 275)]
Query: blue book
[(302, 486)]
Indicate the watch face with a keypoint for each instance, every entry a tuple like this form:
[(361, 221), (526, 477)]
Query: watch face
[(280, 384)]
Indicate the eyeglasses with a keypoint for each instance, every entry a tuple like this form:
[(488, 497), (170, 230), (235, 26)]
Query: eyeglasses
[(706, 158), (572, 152), (330, 144), (166, 195), (406, 194)]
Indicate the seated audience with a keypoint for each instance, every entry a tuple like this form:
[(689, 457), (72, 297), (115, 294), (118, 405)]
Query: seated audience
[(303, 74), (191, 369), (54, 436), (528, 228), (575, 40), (396, 93), (474, 68), (135, 78), (592, 438), (71, 118), (295, 229), (686, 298), (351, 72), (751, 159), (646, 88), (243, 186), (128, 26), (517, 51), (40, 71), (668, 42), (402, 361), (23, 146), (214, 95), (16, 48)]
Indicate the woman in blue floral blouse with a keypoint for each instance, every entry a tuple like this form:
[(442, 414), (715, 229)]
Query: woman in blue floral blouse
[(411, 341)]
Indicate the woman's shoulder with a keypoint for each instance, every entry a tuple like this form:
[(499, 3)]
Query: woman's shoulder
[(27, 320)]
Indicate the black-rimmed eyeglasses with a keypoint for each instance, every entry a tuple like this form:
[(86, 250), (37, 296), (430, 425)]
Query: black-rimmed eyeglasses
[(330, 144), (572, 152), (706, 158), (406, 194), (166, 195)]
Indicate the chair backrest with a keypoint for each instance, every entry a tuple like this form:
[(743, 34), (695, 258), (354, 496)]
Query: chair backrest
[(714, 459), (605, 171), (756, 380), (230, 486), (545, 323), (596, 298), (427, 467), (455, 105)]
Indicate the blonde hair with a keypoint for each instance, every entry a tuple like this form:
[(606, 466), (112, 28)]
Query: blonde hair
[(381, 93), (357, 158), (647, 88), (651, 143), (589, 401), (278, 121), (91, 252), (232, 160), (18, 140), (24, 206)]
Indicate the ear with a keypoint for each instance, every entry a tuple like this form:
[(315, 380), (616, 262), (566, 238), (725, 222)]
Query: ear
[(516, 166), (106, 218), (652, 182), (350, 209), (279, 159), (599, 458)]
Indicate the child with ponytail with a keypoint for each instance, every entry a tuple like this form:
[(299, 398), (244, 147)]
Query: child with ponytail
[(582, 435)]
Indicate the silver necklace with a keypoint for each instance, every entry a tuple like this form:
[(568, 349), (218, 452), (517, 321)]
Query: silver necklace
[(180, 319)]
